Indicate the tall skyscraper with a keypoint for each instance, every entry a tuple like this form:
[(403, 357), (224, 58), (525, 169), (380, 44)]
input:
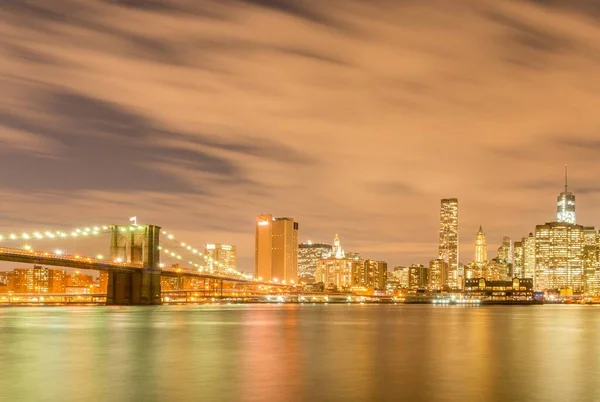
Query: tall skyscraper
[(375, 274), (529, 257), (309, 255), (276, 253), (481, 257), (565, 204), (448, 247), (220, 256), (518, 259)]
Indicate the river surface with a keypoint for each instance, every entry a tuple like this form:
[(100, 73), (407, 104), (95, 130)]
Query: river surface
[(300, 353)]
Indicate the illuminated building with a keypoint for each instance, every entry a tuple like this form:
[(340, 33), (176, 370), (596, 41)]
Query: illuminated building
[(529, 257), (518, 259), (480, 248), (565, 205), (400, 274), (339, 273), (375, 274), (505, 251), (337, 251), (220, 256), (590, 259), (103, 279), (353, 256), (559, 250), (38, 280), (448, 246), (495, 271), (438, 274), (78, 279), (418, 276), (500, 290), (309, 255), (276, 253), (57, 281)]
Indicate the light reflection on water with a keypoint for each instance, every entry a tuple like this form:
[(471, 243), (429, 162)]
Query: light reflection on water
[(300, 353)]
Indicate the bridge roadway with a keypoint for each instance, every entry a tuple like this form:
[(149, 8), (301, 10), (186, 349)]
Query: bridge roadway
[(78, 262)]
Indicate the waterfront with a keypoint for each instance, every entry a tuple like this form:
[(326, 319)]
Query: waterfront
[(300, 353)]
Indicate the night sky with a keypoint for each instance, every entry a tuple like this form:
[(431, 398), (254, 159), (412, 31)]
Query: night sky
[(353, 117)]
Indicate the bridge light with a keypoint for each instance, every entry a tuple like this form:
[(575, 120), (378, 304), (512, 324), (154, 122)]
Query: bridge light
[(170, 237), (63, 235), (74, 234), (78, 230), (86, 229), (1, 237), (161, 265), (159, 247), (49, 234), (104, 227), (58, 252), (131, 228), (182, 244), (27, 247), (96, 228), (119, 260), (195, 251), (99, 257), (123, 229), (163, 232), (25, 236), (13, 236)]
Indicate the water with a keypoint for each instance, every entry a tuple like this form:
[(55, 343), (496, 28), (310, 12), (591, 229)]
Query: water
[(300, 353)]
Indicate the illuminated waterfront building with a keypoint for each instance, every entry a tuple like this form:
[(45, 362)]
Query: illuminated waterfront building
[(590, 260), (518, 259), (38, 280), (565, 205), (480, 248), (103, 280), (559, 248), (276, 252), (500, 290), (448, 245), (339, 273), (78, 279), (375, 274), (438, 274), (220, 256), (353, 256), (418, 276), (529, 257), (309, 255)]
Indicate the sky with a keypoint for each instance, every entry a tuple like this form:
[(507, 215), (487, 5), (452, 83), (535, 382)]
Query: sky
[(353, 117)]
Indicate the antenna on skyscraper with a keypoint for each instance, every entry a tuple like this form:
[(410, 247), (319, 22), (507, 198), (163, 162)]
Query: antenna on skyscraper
[(566, 177)]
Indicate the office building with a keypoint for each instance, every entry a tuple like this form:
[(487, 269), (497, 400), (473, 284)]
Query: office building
[(418, 276), (276, 252), (505, 252), (559, 248), (529, 257), (220, 257), (518, 259), (448, 245), (339, 274), (590, 260), (375, 274), (481, 257), (309, 254), (438, 274)]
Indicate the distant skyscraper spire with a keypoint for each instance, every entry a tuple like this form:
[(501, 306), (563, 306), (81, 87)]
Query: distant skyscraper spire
[(480, 248), (565, 204)]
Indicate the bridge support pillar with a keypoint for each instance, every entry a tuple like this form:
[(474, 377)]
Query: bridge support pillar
[(133, 288), (139, 245)]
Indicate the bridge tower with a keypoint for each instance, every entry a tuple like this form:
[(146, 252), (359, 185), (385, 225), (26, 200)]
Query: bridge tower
[(137, 244)]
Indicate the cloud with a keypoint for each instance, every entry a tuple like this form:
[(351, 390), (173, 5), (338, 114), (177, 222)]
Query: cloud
[(354, 117)]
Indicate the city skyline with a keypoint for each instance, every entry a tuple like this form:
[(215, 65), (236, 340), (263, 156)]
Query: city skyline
[(205, 127)]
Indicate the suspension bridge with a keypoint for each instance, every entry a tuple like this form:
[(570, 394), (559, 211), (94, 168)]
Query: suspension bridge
[(134, 256)]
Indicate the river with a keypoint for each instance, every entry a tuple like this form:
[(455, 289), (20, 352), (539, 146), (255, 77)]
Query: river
[(293, 353)]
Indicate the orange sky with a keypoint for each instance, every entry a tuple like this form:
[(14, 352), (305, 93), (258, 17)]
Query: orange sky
[(354, 117)]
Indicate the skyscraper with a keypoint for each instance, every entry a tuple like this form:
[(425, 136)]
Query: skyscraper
[(480, 248), (220, 256), (528, 257), (438, 274), (518, 259), (309, 255), (448, 247), (505, 252), (276, 253), (559, 250), (565, 204)]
